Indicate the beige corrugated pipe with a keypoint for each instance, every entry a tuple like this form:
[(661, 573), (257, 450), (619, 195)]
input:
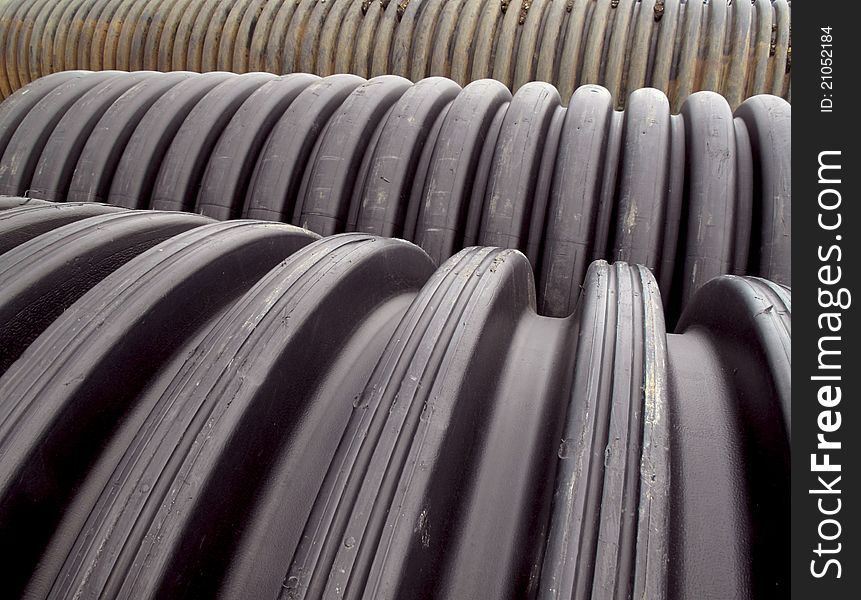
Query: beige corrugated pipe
[(733, 47)]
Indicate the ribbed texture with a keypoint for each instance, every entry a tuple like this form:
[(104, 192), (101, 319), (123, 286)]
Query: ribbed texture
[(738, 49), (691, 196), (240, 410)]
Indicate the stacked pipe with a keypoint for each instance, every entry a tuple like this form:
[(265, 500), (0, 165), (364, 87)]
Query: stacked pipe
[(691, 196), (439, 386), (738, 49), (191, 408)]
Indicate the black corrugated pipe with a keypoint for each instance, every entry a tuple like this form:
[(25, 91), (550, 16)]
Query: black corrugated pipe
[(241, 408), (692, 196)]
